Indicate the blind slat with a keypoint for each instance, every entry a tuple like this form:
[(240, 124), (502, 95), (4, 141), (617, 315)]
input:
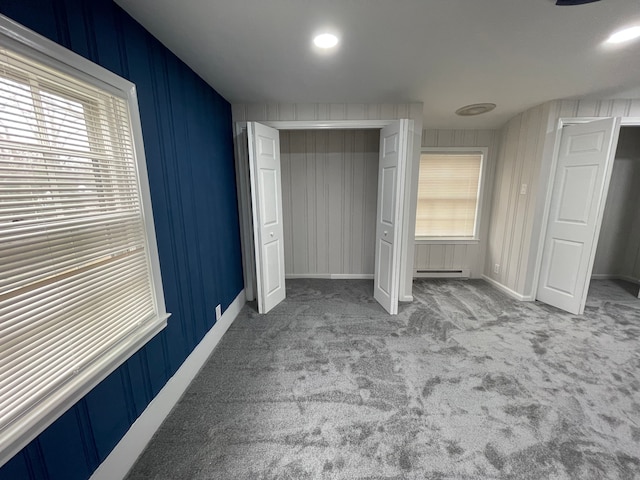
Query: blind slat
[(22, 229), (42, 148), (30, 306), (43, 239)]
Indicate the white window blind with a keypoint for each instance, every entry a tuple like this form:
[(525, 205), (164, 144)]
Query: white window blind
[(77, 293), (448, 195)]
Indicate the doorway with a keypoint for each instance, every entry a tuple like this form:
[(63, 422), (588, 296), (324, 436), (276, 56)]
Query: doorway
[(260, 199), (583, 165), (617, 261)]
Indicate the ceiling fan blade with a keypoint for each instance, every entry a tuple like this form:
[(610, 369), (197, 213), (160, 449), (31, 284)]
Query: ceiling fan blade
[(574, 2)]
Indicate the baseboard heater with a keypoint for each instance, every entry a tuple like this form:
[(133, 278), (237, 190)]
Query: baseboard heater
[(431, 273)]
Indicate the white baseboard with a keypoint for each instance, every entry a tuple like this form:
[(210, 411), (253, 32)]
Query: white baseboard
[(127, 451), (352, 276), (507, 290), (331, 276), (608, 276), (629, 279)]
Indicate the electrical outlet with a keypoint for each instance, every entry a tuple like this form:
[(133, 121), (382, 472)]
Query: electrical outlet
[(218, 312), (496, 268), (523, 189)]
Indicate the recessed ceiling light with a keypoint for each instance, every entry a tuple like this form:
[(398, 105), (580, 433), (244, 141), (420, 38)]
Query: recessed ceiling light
[(475, 109), (325, 40), (624, 35)]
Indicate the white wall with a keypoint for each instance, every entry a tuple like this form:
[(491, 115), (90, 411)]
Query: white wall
[(510, 226), (349, 111), (329, 190), (619, 242), (443, 255)]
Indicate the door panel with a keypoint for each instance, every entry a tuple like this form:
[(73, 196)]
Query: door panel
[(564, 254), (269, 186), (393, 158), (577, 193), (273, 272), (384, 266), (266, 200), (388, 193), (583, 169)]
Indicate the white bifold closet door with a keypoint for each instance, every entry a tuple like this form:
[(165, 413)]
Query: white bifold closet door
[(394, 149), (584, 164), (266, 203)]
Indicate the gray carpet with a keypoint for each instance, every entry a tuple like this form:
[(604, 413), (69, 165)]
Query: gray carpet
[(463, 384)]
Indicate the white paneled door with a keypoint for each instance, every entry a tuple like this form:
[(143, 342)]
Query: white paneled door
[(583, 170), (266, 203), (393, 157)]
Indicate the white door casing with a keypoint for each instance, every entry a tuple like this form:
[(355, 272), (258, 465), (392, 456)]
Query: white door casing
[(393, 157), (266, 202), (583, 171)]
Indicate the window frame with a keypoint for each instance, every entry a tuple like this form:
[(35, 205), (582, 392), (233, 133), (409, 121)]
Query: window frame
[(30, 44), (483, 152)]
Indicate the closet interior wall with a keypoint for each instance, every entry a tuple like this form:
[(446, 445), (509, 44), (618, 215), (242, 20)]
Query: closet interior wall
[(618, 252), (329, 195)]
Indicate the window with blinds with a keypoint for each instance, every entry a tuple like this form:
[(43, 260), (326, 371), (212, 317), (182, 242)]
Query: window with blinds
[(448, 190), (78, 293)]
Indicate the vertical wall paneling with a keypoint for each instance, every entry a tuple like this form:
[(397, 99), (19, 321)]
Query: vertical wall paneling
[(533, 139), (189, 150), (285, 175), (335, 186), (510, 247), (329, 189), (322, 225), (512, 211), (601, 108), (298, 171), (451, 255), (360, 209), (312, 214)]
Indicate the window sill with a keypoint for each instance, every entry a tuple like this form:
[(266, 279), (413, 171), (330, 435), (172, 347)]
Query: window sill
[(446, 241)]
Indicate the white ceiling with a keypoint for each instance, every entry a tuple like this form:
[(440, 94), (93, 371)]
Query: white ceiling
[(445, 53)]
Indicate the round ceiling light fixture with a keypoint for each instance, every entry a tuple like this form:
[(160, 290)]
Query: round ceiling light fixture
[(475, 109), (625, 35), (325, 40)]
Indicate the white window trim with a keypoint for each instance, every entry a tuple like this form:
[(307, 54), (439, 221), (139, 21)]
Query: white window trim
[(28, 43), (484, 151), (446, 240)]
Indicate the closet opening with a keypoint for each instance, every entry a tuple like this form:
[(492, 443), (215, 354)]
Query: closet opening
[(322, 202), (616, 268)]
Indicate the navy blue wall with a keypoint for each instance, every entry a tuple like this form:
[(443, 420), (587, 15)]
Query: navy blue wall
[(188, 143)]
